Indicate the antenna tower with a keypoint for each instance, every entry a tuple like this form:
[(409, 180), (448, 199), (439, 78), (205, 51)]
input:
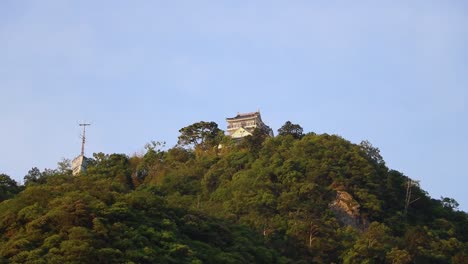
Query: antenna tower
[(83, 137)]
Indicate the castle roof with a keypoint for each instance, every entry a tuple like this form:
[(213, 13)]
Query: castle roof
[(244, 115)]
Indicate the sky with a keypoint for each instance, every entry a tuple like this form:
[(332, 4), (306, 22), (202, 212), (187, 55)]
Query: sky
[(391, 72)]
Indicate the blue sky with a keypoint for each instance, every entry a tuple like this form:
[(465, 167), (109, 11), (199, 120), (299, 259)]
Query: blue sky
[(392, 72)]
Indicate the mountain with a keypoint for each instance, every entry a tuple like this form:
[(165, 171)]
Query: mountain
[(293, 198)]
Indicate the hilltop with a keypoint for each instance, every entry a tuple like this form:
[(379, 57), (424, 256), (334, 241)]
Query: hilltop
[(294, 198)]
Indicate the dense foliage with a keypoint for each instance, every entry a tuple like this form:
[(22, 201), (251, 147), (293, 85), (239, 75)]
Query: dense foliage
[(294, 198)]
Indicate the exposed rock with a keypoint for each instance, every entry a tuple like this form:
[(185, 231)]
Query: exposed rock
[(346, 210)]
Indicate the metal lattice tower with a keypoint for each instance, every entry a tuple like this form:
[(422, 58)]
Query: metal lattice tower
[(83, 137)]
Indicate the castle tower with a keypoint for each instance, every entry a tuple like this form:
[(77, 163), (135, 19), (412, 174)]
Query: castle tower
[(244, 124)]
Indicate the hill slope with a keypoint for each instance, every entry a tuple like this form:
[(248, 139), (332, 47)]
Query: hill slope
[(290, 199)]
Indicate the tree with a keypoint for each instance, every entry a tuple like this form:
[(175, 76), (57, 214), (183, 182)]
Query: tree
[(449, 203), (371, 152), (255, 141), (204, 134), (64, 166), (291, 129), (8, 187), (372, 246), (34, 176), (398, 256)]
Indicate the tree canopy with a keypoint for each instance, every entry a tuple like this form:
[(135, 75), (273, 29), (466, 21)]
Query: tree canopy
[(200, 134), (289, 128), (8, 187), (295, 198)]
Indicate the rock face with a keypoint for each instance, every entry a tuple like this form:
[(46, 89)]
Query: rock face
[(346, 210)]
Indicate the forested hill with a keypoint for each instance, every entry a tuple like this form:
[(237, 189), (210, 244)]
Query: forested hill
[(293, 198)]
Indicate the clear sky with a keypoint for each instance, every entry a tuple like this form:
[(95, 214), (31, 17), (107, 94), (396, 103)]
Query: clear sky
[(392, 72)]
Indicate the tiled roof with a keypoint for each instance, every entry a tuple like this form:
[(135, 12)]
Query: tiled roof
[(244, 115)]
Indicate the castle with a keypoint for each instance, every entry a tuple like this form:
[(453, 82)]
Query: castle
[(244, 124)]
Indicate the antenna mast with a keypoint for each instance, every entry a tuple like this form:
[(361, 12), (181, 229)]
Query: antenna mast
[(83, 137)]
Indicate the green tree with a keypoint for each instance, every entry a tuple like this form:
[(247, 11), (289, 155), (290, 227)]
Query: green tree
[(372, 246), (289, 128), (398, 256), (449, 203), (371, 152), (64, 166), (8, 187), (255, 141), (34, 176), (201, 134)]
